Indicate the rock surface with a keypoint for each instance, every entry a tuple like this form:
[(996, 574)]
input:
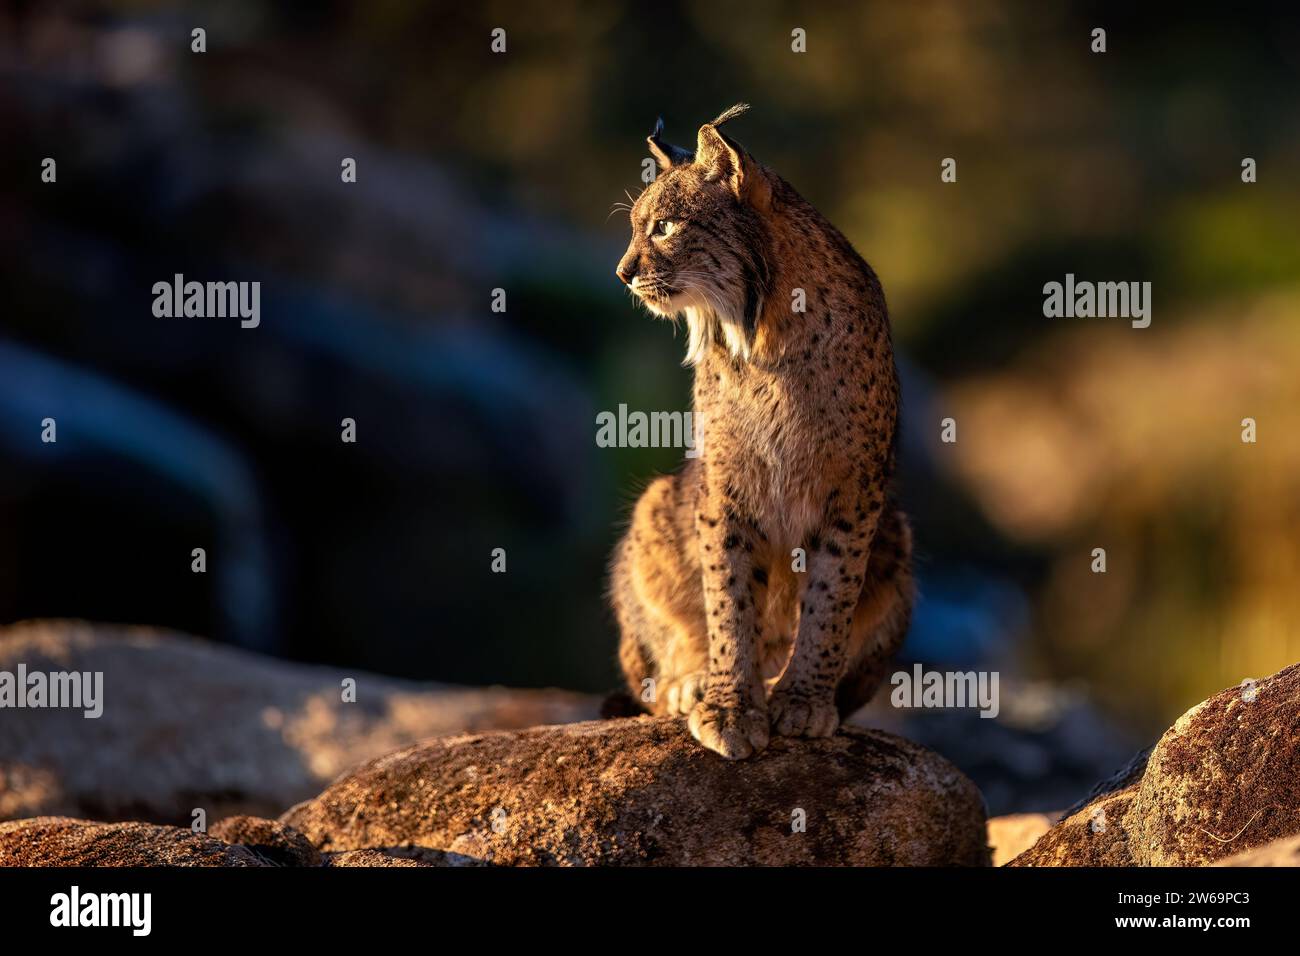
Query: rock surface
[(398, 856), (641, 791), (60, 841), (373, 858), (1095, 836), (1224, 779), (203, 725), (272, 841)]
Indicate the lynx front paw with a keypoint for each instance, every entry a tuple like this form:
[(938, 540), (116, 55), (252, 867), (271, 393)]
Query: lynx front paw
[(800, 715), (732, 729), (681, 695)]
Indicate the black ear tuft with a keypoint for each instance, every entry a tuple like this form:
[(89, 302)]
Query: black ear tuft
[(666, 154), (730, 114)]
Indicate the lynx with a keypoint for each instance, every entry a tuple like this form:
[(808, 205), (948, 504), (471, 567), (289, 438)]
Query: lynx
[(776, 560)]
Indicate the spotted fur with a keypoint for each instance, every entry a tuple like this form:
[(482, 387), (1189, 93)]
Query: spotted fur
[(799, 413)]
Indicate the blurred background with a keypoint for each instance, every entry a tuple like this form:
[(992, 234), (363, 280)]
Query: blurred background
[(476, 429)]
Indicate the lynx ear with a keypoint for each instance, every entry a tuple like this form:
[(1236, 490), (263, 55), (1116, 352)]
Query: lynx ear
[(666, 154), (727, 161)]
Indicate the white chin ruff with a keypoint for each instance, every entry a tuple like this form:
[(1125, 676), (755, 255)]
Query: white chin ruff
[(704, 326)]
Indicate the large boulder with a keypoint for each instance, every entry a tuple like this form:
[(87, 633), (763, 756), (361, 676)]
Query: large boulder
[(59, 841), (1223, 779), (187, 724), (641, 791)]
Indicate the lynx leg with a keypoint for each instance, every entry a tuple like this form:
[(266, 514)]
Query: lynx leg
[(732, 717), (881, 618), (659, 604), (803, 701)]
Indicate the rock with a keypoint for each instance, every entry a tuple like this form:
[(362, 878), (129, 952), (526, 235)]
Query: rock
[(275, 843), (1225, 778), (235, 841), (641, 791), (1011, 835), (188, 724), (373, 858), (60, 841), (399, 856), (1095, 836), (1285, 852)]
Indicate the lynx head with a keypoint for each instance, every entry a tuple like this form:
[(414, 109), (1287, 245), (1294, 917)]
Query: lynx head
[(699, 240)]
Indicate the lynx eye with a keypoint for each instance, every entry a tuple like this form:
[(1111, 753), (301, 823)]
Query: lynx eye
[(663, 228)]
